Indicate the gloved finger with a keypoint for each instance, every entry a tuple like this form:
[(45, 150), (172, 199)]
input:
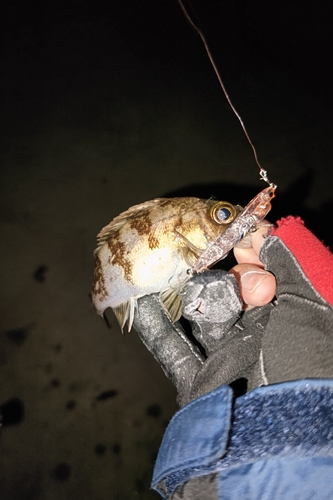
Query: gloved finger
[(250, 255), (257, 287), (179, 359), (300, 262), (212, 304)]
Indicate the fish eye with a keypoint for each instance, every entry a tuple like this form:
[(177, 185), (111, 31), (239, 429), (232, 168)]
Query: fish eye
[(223, 212)]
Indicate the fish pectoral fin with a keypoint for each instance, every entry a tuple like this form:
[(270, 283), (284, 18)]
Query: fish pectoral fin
[(172, 303), (189, 256), (190, 252), (125, 313)]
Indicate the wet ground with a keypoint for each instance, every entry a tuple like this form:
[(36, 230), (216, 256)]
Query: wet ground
[(103, 109)]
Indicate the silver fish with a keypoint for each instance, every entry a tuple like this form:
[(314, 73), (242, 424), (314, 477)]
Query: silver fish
[(150, 248)]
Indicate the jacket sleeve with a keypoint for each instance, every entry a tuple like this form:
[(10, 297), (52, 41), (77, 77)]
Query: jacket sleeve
[(275, 442)]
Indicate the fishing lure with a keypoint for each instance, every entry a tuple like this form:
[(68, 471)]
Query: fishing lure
[(255, 211)]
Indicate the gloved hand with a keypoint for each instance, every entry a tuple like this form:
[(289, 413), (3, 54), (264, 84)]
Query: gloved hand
[(290, 337)]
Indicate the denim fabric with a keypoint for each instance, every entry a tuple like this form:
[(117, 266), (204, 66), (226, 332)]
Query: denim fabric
[(196, 434), (287, 478), (279, 438)]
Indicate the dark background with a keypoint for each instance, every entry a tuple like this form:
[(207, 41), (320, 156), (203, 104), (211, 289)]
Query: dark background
[(103, 107)]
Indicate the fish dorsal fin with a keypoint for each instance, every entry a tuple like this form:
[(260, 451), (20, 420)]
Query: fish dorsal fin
[(172, 303), (125, 313), (118, 222)]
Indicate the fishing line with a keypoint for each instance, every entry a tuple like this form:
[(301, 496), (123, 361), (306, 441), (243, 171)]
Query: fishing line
[(263, 173)]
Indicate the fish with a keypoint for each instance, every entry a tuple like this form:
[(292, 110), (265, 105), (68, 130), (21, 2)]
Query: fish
[(150, 248)]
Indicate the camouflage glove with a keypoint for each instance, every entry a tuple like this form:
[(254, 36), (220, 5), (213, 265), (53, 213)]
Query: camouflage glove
[(289, 338)]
